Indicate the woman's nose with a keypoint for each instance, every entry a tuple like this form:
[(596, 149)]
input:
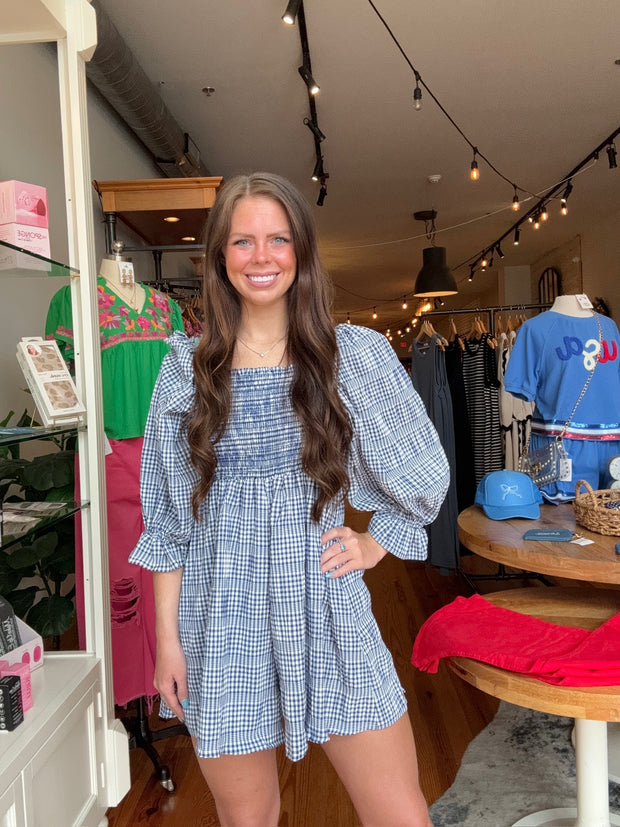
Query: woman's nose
[(261, 251)]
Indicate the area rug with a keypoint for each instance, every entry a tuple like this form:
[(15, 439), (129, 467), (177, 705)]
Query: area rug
[(522, 762)]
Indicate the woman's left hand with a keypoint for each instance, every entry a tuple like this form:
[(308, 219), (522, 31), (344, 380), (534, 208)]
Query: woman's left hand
[(351, 551)]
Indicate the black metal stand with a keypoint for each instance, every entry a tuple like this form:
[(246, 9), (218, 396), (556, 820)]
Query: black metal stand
[(502, 574), (142, 736)]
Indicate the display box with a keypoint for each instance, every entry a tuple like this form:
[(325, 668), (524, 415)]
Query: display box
[(34, 239), (31, 650), (49, 381), (22, 203)]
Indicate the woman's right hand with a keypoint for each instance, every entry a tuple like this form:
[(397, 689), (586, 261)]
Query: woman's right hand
[(171, 676)]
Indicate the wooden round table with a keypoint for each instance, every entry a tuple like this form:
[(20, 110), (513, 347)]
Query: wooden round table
[(502, 541)]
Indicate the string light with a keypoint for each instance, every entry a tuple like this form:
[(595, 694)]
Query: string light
[(348, 318), (544, 215), (417, 93), (516, 204), (404, 304), (563, 206), (374, 312), (474, 171)]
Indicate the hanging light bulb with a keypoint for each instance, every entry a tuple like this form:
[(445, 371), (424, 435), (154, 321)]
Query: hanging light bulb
[(404, 304), (484, 262), (517, 237), (516, 204), (611, 156), (475, 172), (348, 318), (536, 222), (417, 94), (374, 312), (563, 206), (544, 215)]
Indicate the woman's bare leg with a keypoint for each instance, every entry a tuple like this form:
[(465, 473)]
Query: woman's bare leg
[(245, 788), (379, 769)]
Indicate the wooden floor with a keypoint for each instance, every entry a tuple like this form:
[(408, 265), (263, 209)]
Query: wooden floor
[(446, 714)]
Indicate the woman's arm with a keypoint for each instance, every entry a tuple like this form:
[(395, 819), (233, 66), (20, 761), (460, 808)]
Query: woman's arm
[(170, 668)]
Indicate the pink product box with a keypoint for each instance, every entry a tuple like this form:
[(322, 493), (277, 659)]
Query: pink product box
[(34, 239), (31, 650), (22, 670), (22, 203)]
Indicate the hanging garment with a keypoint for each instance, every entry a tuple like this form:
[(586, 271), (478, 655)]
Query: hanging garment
[(428, 374), (465, 483), (133, 345), (482, 392), (515, 414)]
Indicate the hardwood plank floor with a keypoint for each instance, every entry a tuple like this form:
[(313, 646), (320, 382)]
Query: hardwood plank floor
[(446, 714)]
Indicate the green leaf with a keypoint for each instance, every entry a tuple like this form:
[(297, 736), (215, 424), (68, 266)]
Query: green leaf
[(51, 616), (62, 564), (65, 494), (22, 599), (50, 471), (12, 469), (40, 549), (9, 580)]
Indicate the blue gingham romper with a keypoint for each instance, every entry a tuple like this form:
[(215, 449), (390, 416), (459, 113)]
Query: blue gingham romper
[(276, 653)]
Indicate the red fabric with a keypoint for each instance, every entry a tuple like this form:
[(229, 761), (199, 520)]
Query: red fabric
[(475, 628), (132, 603)]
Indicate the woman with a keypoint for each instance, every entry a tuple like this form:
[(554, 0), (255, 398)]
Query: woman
[(255, 437)]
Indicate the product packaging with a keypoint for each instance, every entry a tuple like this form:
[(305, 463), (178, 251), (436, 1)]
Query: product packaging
[(22, 203), (11, 708), (34, 239), (49, 381), (9, 632), (31, 650), (22, 671)]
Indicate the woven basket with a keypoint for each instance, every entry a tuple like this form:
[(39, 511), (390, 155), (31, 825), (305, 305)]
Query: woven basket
[(595, 509)]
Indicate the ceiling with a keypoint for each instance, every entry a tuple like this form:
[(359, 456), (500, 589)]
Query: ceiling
[(533, 85)]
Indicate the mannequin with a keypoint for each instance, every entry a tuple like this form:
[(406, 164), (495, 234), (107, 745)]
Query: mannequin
[(134, 322), (119, 275), (553, 356), (570, 306)]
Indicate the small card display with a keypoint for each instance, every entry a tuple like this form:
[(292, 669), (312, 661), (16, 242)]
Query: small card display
[(49, 380)]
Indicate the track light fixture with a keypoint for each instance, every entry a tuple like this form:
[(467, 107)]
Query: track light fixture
[(318, 172), (417, 93), (567, 191), (499, 251), (472, 270), (290, 13), (322, 194), (611, 155), (314, 128), (475, 172), (515, 241), (310, 82)]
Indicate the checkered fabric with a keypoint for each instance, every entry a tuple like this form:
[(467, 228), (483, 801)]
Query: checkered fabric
[(276, 653)]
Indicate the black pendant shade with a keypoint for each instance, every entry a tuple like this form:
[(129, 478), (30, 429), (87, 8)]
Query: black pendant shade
[(435, 279)]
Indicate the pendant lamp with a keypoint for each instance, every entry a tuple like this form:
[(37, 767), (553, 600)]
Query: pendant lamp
[(435, 279)]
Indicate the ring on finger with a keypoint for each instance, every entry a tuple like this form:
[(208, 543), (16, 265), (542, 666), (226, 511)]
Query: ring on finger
[(342, 547)]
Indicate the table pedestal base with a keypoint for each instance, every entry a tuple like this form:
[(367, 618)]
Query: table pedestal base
[(592, 784)]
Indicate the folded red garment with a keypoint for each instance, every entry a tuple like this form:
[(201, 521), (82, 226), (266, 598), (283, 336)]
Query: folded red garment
[(475, 628)]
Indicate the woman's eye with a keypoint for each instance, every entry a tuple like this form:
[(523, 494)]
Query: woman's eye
[(241, 242), (281, 240)]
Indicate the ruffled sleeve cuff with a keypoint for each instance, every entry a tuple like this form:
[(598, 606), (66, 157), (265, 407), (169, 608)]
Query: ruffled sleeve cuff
[(157, 553)]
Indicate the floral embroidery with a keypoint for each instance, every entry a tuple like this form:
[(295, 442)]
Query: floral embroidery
[(108, 320), (143, 322), (104, 299)]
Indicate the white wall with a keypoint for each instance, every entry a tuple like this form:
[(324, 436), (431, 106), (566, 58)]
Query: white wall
[(31, 150)]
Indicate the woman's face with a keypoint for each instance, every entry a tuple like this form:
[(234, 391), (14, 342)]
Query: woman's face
[(259, 254)]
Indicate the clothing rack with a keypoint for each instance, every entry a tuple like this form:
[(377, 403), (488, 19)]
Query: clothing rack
[(490, 310)]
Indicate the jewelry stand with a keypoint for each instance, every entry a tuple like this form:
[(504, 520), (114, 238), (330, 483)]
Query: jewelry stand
[(142, 736)]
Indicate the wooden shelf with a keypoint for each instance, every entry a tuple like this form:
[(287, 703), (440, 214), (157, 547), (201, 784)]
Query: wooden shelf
[(143, 204)]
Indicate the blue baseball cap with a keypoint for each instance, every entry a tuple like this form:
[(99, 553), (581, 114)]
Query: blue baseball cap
[(505, 494)]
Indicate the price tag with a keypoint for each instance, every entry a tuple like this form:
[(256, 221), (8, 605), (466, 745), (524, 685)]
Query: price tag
[(566, 469), (583, 301)]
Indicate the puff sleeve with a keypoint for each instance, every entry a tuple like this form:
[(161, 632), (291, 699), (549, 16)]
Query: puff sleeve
[(398, 468), (167, 478)]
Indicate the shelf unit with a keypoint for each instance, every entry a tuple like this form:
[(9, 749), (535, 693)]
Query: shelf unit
[(69, 761)]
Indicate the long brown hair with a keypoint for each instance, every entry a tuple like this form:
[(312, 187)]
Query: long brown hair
[(311, 347)]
